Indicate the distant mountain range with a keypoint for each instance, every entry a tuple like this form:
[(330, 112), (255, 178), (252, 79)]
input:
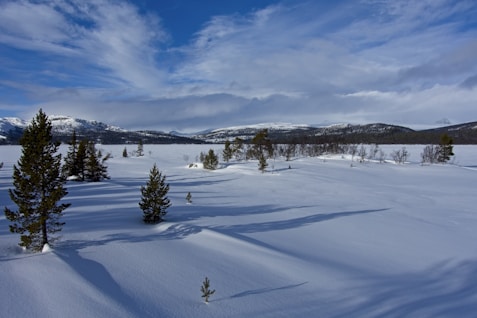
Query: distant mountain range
[(11, 130)]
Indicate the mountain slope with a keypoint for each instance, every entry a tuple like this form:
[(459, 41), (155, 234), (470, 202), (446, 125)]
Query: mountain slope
[(11, 130), (281, 132)]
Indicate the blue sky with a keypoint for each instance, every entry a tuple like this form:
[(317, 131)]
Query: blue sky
[(188, 65)]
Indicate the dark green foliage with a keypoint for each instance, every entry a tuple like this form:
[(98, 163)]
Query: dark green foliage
[(206, 291), (84, 162), (81, 156), (38, 187), (70, 167), (262, 163), (228, 151), (95, 167), (445, 148), (125, 153), (210, 160), (154, 202), (261, 143)]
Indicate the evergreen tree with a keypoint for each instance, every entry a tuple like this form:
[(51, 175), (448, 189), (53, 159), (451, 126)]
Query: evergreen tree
[(95, 167), (261, 143), (125, 153), (262, 163), (227, 152), (210, 160), (81, 157), (205, 289), (445, 148), (154, 202), (38, 187), (70, 167)]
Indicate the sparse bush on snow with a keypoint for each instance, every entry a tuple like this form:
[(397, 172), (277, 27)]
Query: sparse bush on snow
[(400, 156), (430, 154)]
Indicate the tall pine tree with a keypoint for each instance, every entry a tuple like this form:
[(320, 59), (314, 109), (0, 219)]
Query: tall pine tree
[(38, 187), (70, 167), (154, 202)]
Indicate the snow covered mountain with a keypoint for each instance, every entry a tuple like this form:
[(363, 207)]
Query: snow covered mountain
[(61, 125), (66, 125), (11, 130), (288, 132), (247, 132), (381, 133)]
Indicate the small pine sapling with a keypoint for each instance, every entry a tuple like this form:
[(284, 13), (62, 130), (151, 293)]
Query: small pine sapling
[(206, 292), (262, 163), (189, 198)]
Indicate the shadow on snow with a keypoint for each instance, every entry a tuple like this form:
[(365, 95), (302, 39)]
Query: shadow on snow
[(443, 290)]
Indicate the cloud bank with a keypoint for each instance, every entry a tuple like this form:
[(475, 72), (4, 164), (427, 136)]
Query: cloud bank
[(401, 62)]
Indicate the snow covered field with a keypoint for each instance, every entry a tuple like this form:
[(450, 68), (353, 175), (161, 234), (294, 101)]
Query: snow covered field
[(322, 239)]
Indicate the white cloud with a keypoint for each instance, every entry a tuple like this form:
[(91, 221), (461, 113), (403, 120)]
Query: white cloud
[(110, 35), (392, 61)]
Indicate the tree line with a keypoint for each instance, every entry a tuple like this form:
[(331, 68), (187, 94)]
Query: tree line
[(262, 148)]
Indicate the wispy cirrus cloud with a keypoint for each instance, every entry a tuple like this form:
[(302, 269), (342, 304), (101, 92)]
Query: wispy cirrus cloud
[(110, 41)]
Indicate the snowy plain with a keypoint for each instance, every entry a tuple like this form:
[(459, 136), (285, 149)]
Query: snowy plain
[(311, 237)]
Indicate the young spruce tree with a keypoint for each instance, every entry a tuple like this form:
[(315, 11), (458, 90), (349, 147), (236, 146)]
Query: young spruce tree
[(95, 164), (445, 148), (262, 163), (211, 161), (154, 202), (38, 187)]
